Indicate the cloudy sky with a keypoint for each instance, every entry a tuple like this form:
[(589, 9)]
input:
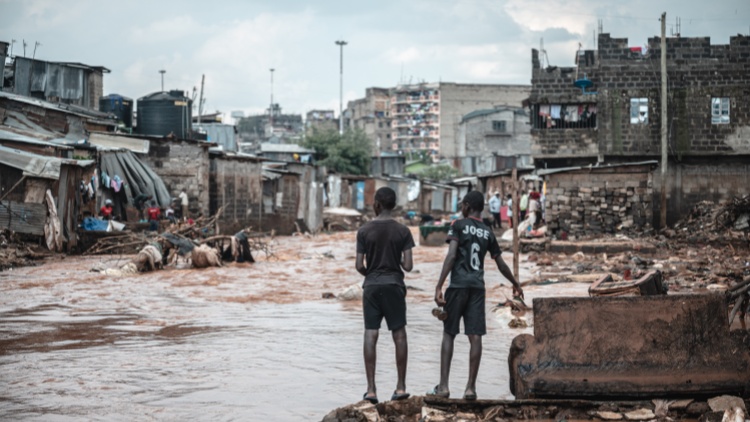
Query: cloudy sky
[(234, 43)]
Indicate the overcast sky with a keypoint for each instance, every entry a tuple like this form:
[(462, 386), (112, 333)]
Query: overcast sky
[(234, 43)]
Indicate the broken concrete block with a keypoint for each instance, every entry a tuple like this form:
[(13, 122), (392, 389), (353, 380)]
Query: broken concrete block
[(609, 416), (722, 403), (638, 346), (640, 415)]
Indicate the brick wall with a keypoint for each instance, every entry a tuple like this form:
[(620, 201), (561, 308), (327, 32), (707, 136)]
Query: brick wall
[(235, 184), (608, 200), (182, 165)]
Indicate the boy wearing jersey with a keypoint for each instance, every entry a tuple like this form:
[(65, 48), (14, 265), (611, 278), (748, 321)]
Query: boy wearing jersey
[(470, 240)]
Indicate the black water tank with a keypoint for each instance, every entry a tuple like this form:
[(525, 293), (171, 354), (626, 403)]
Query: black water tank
[(120, 106), (162, 113)]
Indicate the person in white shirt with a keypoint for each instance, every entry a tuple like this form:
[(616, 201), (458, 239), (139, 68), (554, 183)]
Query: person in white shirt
[(184, 204), (510, 209), (495, 204)]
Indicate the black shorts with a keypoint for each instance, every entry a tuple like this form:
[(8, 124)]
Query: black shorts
[(469, 305), (384, 300)]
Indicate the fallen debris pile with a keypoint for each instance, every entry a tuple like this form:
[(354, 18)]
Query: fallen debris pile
[(709, 223), (432, 409), (15, 253)]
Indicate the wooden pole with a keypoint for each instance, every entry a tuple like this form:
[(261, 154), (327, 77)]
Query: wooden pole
[(663, 207), (514, 213)]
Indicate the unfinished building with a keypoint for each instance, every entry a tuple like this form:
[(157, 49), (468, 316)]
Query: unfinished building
[(606, 110)]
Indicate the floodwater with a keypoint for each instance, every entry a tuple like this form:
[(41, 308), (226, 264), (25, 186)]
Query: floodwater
[(241, 342)]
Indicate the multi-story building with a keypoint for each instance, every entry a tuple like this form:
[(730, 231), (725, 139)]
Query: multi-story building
[(372, 114), (426, 116), (272, 126), (607, 110), (494, 139), (321, 120)]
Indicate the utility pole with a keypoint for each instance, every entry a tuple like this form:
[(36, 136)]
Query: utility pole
[(270, 110), (200, 100), (663, 208), (515, 222), (341, 44), (162, 79)]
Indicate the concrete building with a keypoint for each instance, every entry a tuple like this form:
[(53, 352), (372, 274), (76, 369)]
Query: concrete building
[(607, 110), (275, 127), (372, 115), (320, 120), (494, 139), (426, 116)]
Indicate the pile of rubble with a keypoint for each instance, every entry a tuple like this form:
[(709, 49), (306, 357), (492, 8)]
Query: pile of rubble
[(15, 253), (429, 409), (709, 223)]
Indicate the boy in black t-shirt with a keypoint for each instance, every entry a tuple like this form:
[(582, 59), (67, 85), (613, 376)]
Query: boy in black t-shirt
[(470, 240), (382, 242)]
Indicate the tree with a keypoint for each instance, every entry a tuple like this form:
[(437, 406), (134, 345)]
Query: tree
[(349, 153), (440, 172)]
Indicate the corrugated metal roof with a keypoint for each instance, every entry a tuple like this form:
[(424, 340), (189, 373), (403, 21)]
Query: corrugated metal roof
[(544, 172), (108, 141), (287, 148), (36, 165), (16, 135)]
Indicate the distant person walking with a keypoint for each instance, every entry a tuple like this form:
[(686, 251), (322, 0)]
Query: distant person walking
[(495, 204), (384, 252), (523, 205), (509, 211), (184, 204), (470, 240)]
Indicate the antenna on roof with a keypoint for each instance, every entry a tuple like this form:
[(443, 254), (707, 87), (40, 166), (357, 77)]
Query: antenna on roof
[(24, 48), (600, 26), (676, 28), (542, 51), (36, 44), (12, 41)]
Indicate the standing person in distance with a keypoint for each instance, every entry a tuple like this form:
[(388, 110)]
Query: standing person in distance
[(384, 252), (470, 240), (495, 204)]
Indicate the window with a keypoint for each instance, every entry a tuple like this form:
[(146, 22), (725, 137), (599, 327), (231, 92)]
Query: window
[(639, 111), (720, 110), (498, 125), (563, 116)]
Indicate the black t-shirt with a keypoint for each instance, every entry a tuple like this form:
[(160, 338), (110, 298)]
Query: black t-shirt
[(382, 242), (474, 239)]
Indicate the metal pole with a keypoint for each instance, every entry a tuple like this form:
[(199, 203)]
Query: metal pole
[(162, 79), (341, 44), (663, 219), (270, 110), (514, 213), (200, 100)]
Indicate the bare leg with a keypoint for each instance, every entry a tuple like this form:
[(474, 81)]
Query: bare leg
[(446, 355), (475, 357), (402, 353), (371, 341)]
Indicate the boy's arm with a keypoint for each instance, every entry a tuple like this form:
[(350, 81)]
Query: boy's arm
[(360, 264), (408, 262), (450, 259), (507, 273)]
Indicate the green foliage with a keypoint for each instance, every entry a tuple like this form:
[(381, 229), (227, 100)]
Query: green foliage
[(440, 172), (348, 154)]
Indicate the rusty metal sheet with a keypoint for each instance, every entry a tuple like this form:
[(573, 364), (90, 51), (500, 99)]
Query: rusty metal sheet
[(22, 217), (636, 346)]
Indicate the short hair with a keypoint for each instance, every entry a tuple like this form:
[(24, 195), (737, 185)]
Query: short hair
[(475, 200), (387, 197)]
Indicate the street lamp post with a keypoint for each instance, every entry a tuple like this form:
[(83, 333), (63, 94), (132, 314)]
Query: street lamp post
[(341, 44), (162, 79), (270, 110)]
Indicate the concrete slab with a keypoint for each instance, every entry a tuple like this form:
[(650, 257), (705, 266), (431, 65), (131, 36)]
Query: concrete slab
[(639, 346)]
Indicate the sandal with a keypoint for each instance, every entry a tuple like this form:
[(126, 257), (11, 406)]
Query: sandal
[(373, 399), (435, 392)]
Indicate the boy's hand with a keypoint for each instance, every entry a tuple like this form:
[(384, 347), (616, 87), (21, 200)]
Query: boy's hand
[(439, 300), (517, 291)]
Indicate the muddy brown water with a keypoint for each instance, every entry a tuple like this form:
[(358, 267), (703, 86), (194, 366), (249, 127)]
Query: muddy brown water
[(241, 342)]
